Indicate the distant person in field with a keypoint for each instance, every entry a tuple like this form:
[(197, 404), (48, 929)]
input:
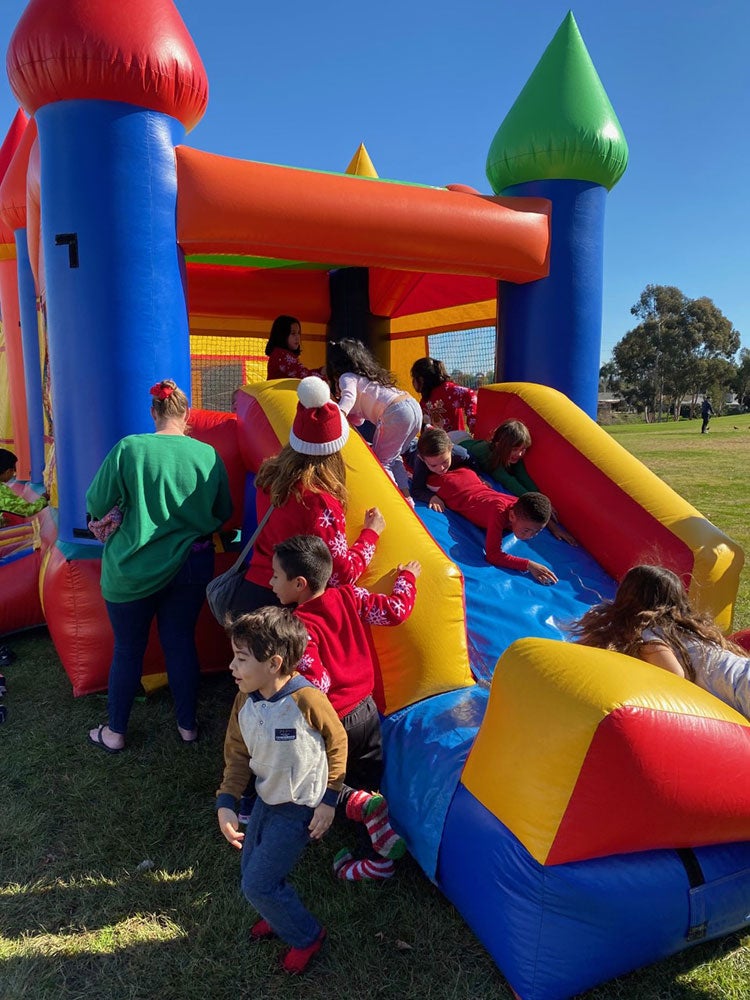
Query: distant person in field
[(706, 413)]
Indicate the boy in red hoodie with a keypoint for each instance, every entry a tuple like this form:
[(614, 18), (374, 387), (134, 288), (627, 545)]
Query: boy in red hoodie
[(443, 477), (339, 660)]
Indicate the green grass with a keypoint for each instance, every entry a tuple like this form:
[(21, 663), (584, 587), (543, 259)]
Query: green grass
[(709, 470), (82, 917)]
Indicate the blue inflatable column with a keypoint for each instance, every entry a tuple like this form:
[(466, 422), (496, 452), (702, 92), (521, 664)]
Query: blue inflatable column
[(554, 325), (561, 140), (114, 280), (31, 361)]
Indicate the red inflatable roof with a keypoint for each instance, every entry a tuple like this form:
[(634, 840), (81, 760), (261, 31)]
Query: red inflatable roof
[(138, 52)]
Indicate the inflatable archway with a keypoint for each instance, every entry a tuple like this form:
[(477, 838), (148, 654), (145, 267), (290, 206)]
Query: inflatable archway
[(124, 249)]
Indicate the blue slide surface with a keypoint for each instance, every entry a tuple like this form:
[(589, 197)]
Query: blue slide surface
[(426, 744)]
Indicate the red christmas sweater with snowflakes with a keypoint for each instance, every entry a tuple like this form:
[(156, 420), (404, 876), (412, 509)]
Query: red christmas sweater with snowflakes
[(451, 407), (340, 658), (285, 364), (464, 492), (313, 514)]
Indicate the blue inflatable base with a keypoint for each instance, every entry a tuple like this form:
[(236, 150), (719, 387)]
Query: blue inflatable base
[(557, 930)]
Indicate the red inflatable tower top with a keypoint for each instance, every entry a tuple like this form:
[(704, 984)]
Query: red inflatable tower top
[(13, 184), (8, 150), (139, 52)]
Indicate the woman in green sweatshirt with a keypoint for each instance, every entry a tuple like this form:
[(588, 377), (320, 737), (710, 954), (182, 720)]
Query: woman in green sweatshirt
[(173, 492)]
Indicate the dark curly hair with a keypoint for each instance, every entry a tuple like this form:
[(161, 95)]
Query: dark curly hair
[(350, 355), (534, 507)]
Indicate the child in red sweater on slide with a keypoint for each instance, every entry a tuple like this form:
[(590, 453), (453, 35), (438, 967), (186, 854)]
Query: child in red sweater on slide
[(444, 480), (306, 486), (339, 660)]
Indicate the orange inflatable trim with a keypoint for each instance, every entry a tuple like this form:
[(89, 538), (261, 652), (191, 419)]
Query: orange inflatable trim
[(238, 206)]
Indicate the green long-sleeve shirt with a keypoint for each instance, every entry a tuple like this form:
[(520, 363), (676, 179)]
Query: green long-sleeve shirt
[(515, 479), (12, 503), (171, 490)]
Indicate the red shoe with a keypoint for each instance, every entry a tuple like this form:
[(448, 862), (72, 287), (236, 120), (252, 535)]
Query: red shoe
[(261, 930), (296, 960)]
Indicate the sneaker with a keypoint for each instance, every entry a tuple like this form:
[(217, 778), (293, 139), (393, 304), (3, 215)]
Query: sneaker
[(3, 688), (261, 930), (296, 960), (7, 656)]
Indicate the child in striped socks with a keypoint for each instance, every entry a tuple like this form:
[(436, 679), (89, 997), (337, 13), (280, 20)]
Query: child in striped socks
[(338, 660)]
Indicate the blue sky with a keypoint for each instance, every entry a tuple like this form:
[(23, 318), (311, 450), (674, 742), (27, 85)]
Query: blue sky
[(426, 84)]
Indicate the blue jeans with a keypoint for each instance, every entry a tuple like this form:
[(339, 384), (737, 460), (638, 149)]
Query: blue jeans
[(176, 608), (275, 837)]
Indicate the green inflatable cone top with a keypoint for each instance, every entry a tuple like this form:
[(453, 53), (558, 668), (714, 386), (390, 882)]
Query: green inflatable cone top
[(562, 125)]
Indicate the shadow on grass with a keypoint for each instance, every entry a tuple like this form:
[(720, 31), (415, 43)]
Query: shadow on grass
[(665, 981), (78, 920)]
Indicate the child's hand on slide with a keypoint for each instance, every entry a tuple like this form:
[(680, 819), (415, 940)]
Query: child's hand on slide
[(541, 573), (374, 520), (412, 567), (436, 504)]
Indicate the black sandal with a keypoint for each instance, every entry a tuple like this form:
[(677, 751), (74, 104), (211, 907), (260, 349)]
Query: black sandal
[(98, 741)]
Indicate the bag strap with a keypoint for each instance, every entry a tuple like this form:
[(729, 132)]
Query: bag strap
[(246, 550)]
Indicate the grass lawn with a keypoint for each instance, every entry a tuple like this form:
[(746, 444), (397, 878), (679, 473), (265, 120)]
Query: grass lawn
[(117, 885), (709, 470)]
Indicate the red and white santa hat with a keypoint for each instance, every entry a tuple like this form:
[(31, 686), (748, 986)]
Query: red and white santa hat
[(319, 428)]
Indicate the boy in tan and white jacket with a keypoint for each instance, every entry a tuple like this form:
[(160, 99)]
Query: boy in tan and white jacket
[(285, 731)]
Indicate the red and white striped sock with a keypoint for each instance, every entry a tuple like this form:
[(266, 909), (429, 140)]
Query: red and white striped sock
[(365, 868), (372, 810)]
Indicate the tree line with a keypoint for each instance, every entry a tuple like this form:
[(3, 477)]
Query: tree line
[(681, 350)]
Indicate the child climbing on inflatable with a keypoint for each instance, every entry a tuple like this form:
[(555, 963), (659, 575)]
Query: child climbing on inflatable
[(651, 618), (338, 659), (442, 483), (284, 348), (445, 404), (305, 485), (502, 458), (13, 508), (367, 391)]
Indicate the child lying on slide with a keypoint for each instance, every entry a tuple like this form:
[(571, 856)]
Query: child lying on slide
[(443, 478)]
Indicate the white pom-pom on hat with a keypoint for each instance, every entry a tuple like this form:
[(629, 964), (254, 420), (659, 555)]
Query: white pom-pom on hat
[(319, 428), (313, 391)]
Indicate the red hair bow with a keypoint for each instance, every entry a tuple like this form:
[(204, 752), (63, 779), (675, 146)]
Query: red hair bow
[(160, 391)]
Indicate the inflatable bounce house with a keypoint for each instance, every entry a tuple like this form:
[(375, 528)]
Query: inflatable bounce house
[(587, 813)]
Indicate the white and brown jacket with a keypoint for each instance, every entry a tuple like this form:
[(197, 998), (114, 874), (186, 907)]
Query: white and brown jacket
[(293, 743)]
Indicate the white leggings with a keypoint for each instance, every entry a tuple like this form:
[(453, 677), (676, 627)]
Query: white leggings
[(400, 422)]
